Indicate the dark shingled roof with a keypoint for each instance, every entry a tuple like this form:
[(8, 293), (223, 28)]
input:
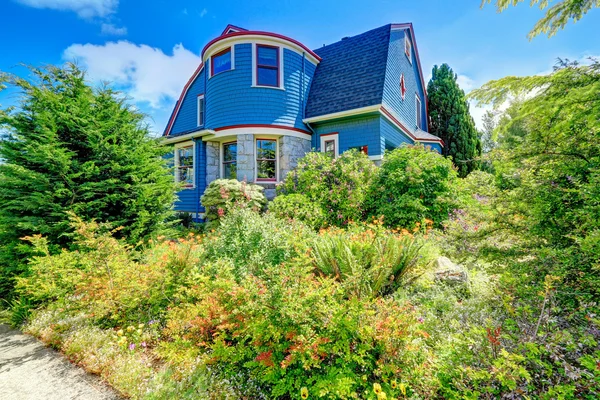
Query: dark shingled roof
[(351, 73)]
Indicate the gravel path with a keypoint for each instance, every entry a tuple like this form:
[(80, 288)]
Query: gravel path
[(30, 371)]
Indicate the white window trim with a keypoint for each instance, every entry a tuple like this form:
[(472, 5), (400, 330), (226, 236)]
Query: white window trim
[(254, 61), (276, 140), (407, 41), (418, 110), (176, 157), (222, 158), (327, 138), (209, 61), (200, 97)]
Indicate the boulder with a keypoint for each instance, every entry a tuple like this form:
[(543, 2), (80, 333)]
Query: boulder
[(448, 272)]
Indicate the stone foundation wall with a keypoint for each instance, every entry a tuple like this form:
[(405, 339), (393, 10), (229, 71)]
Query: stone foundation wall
[(213, 161), (291, 149), (245, 157)]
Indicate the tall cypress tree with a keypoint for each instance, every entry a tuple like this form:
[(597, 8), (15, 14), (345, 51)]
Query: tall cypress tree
[(68, 147), (450, 120)]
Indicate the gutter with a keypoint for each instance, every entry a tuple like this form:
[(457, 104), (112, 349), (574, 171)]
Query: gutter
[(183, 138)]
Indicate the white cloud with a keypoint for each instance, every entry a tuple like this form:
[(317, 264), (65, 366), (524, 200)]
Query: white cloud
[(203, 12), (467, 84), (83, 8), (113, 30), (145, 73)]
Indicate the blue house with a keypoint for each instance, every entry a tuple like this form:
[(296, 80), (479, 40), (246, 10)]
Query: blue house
[(260, 100)]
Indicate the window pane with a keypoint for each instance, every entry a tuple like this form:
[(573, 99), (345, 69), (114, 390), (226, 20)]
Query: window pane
[(186, 156), (267, 56), (230, 152), (221, 63), (200, 111), (267, 76), (266, 169), (330, 147), (186, 176), (266, 149), (230, 170)]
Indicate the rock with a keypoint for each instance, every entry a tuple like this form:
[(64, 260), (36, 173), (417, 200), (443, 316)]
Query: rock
[(448, 272)]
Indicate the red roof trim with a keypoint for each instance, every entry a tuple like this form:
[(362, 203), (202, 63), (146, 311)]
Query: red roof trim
[(406, 130), (260, 33), (180, 101), (222, 128), (233, 28), (409, 26)]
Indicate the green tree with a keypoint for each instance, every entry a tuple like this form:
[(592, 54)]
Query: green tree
[(451, 121), (557, 16), (68, 147)]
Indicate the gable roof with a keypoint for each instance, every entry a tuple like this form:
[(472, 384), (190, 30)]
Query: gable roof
[(351, 73)]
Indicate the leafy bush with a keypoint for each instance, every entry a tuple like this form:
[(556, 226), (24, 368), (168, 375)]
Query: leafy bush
[(413, 184), (223, 194), (297, 207), (251, 241), (369, 261), (337, 185)]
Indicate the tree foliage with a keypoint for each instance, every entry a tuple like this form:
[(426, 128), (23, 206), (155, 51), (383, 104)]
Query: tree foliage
[(557, 16), (69, 147), (450, 120)]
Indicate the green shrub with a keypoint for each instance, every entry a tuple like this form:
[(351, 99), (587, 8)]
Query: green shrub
[(251, 241), (413, 184), (368, 261), (337, 185), (297, 207), (223, 194)]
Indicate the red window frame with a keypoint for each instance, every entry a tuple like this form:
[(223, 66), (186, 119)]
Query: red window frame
[(266, 159), (258, 46), (212, 60), (223, 162)]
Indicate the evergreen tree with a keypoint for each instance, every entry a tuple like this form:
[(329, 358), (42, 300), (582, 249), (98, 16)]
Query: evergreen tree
[(450, 120), (71, 148)]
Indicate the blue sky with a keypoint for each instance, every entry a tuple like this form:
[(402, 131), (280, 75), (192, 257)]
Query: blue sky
[(149, 49)]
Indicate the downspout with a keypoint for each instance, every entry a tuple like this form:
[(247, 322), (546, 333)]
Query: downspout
[(314, 134), (196, 143)]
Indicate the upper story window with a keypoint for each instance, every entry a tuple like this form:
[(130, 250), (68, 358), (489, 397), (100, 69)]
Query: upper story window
[(184, 164), (408, 47), (221, 61), (201, 110), (267, 65), (418, 110), (230, 160), (266, 159)]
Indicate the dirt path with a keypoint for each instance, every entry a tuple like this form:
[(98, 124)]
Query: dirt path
[(30, 371)]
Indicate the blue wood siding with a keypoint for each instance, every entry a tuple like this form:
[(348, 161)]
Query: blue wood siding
[(188, 199), (392, 136), (187, 118), (231, 99), (398, 63), (364, 131)]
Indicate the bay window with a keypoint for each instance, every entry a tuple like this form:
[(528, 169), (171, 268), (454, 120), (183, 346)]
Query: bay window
[(266, 159), (267, 66), (230, 160)]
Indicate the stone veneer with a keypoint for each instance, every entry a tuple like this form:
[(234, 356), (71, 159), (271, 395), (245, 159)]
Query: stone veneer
[(213, 167), (245, 157), (291, 149)]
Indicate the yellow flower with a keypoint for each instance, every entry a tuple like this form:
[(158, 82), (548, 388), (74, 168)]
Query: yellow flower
[(394, 384), (377, 388), (403, 389), (130, 328), (140, 326), (120, 332), (304, 393), (381, 396)]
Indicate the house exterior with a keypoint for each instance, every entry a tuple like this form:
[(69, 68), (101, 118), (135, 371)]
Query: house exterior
[(259, 101)]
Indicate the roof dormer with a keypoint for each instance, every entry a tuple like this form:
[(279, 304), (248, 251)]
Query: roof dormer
[(232, 29)]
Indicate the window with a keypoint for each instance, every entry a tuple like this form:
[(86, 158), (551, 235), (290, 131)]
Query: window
[(267, 66), (266, 159), (184, 165), (220, 62), (418, 110), (362, 149), (330, 144), (230, 160), (408, 47), (201, 109)]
